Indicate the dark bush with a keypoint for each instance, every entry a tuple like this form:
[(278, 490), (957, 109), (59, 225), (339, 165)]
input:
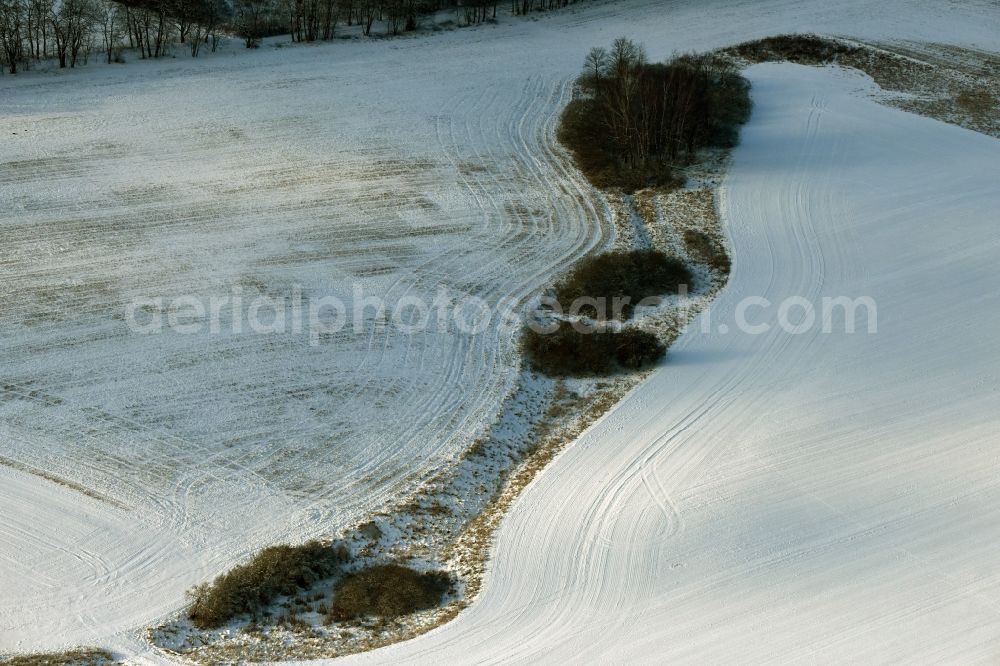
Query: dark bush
[(728, 104), (582, 129), (275, 571), (387, 591), (634, 348), (629, 276), (701, 246), (569, 352)]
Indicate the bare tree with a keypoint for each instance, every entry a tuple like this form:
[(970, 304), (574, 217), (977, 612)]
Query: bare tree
[(596, 64), (210, 13), (329, 13), (367, 11), (249, 15), (111, 17), (184, 13), (72, 25), (13, 15), (477, 11), (625, 65), (37, 28), (395, 12)]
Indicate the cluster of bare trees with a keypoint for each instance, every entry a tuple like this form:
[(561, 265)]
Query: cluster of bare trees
[(520, 7), (12, 19), (36, 29), (70, 30), (71, 24), (478, 11), (150, 27), (312, 20), (639, 118)]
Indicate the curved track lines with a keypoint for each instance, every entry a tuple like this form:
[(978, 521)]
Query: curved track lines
[(395, 164), (230, 441)]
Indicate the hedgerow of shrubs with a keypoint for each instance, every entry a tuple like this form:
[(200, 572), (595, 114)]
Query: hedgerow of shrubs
[(573, 351), (804, 49), (629, 276), (250, 587), (387, 591)]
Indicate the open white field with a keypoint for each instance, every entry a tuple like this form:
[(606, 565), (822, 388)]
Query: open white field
[(778, 498), (323, 170), (398, 166)]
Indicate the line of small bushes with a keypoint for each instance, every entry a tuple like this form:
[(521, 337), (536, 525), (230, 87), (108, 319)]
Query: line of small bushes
[(804, 49), (387, 591), (702, 247), (618, 281), (574, 350), (273, 572)]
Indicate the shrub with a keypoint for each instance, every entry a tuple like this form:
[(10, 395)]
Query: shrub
[(387, 591), (248, 588), (633, 275), (634, 349), (569, 352)]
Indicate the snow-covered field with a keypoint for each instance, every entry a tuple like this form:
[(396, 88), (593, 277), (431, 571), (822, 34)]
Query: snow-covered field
[(789, 498), (762, 496), (323, 169)]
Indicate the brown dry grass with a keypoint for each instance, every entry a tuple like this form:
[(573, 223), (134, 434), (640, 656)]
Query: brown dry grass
[(83, 490), (75, 657), (976, 100), (959, 86)]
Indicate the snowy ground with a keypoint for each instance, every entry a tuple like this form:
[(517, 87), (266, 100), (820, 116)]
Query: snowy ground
[(402, 165), (265, 175)]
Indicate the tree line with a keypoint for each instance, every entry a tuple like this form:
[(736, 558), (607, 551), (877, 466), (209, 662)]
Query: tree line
[(72, 31)]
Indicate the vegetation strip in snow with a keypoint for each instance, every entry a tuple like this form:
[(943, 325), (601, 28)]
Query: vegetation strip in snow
[(443, 534)]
